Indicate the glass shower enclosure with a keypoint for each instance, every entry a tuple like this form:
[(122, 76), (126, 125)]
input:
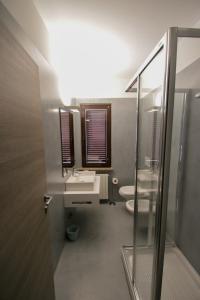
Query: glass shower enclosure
[(164, 261)]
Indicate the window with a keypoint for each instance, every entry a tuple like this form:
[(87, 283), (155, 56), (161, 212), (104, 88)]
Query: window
[(67, 138), (96, 135)]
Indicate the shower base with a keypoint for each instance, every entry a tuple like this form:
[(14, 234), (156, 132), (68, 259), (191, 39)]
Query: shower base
[(180, 280)]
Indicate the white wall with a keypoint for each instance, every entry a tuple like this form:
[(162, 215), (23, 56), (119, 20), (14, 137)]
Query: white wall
[(29, 19), (104, 88), (188, 50), (27, 16)]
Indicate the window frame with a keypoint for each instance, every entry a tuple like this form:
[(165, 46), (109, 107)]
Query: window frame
[(83, 108), (71, 131)]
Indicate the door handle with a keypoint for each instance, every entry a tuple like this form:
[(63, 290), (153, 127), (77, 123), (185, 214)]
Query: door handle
[(47, 201)]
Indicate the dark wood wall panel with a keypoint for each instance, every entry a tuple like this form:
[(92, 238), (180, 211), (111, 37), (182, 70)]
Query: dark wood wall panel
[(25, 258)]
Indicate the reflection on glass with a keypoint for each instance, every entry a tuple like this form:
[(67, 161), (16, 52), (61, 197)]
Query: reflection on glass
[(149, 143), (182, 251)]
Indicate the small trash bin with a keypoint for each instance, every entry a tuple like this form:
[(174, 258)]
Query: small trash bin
[(72, 232)]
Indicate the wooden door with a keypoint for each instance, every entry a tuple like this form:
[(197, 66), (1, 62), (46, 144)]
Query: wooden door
[(25, 259)]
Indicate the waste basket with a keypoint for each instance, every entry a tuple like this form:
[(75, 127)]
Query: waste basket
[(72, 232)]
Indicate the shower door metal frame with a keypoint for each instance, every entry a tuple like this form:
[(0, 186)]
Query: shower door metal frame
[(174, 33), (162, 45), (184, 122), (169, 41)]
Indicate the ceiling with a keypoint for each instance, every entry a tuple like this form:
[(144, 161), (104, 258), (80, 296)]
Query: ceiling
[(138, 25)]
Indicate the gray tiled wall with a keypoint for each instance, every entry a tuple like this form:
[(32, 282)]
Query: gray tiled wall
[(123, 141), (189, 210)]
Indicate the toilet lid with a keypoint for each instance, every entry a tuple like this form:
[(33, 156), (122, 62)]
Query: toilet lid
[(128, 190)]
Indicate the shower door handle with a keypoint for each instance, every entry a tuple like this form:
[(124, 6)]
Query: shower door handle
[(47, 201), (181, 154)]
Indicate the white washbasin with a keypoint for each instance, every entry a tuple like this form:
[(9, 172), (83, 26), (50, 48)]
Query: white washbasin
[(80, 183), (78, 197), (147, 179), (86, 173)]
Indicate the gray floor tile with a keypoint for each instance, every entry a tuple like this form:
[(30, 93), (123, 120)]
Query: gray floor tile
[(91, 267)]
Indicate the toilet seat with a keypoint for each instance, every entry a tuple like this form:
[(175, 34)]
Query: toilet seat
[(128, 193)]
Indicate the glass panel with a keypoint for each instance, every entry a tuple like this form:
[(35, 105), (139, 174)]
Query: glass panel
[(148, 170), (128, 251), (181, 280)]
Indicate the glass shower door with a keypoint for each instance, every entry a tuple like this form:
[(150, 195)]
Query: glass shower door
[(150, 138), (181, 272)]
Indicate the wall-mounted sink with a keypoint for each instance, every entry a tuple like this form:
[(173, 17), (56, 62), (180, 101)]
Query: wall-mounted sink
[(147, 175), (86, 173), (82, 191), (80, 182), (147, 179)]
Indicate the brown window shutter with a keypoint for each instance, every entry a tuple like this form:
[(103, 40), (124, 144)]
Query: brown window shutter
[(96, 135)]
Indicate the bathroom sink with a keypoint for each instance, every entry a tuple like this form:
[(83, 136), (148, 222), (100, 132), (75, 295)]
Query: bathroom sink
[(147, 175), (80, 182), (86, 173), (147, 179), (82, 191)]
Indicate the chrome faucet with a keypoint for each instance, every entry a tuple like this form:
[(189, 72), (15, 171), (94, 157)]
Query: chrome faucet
[(74, 172)]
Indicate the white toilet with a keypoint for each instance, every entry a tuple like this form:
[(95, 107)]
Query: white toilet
[(128, 193)]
